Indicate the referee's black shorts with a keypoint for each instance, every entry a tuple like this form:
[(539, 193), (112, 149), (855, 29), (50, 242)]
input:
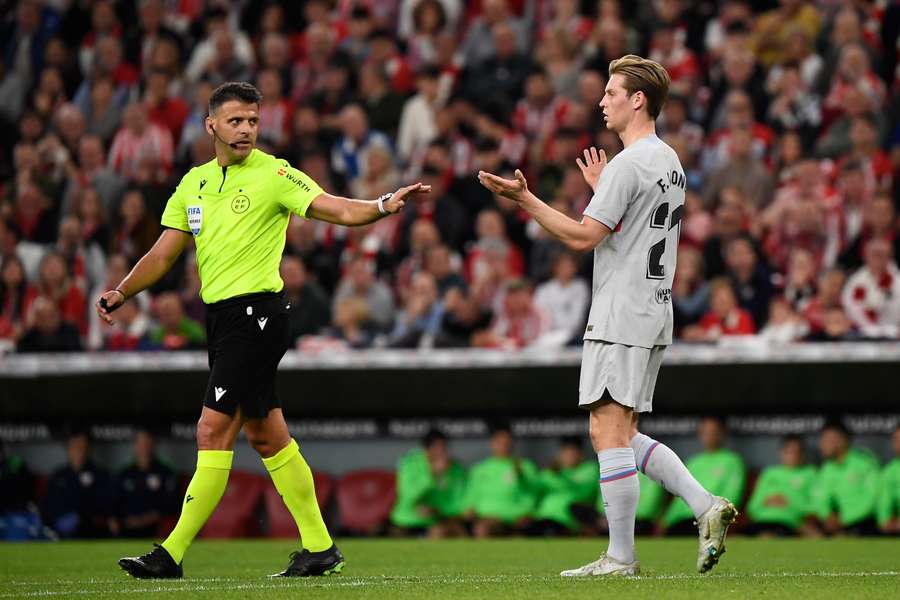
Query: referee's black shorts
[(247, 337)]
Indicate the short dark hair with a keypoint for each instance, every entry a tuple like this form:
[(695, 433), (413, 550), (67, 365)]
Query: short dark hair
[(836, 424), (433, 435), (234, 90), (791, 438), (571, 441)]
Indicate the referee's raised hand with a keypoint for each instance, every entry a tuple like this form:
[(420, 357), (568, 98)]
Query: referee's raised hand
[(108, 302), (397, 200)]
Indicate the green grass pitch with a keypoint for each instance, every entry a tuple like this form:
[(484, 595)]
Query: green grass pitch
[(459, 570)]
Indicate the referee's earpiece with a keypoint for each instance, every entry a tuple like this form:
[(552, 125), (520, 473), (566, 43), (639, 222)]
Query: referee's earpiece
[(216, 135)]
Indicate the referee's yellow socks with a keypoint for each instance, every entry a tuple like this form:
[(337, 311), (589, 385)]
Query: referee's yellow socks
[(202, 496), (294, 481)]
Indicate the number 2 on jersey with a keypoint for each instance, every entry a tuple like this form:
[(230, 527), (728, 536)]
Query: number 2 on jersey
[(655, 268)]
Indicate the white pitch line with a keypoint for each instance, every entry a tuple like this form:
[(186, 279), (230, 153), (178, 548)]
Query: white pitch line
[(358, 582)]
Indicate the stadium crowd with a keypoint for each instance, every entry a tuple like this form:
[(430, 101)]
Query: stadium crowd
[(848, 493), (784, 115)]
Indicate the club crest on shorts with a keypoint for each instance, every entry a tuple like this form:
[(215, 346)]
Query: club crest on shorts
[(195, 219)]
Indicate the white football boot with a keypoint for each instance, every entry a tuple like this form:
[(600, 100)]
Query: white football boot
[(713, 525), (605, 565)]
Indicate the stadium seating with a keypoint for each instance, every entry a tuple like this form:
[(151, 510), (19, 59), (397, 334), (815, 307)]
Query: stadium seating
[(364, 499), (281, 523), (236, 515)]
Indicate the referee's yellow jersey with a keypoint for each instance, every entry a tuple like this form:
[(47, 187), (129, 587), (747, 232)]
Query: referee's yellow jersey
[(238, 216)]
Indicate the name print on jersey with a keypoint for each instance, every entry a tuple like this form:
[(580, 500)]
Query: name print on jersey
[(195, 219), (658, 220)]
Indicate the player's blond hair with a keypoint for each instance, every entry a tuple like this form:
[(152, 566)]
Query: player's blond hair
[(646, 76)]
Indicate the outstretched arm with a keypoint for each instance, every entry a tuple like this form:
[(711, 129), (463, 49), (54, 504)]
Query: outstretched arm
[(579, 236), (146, 272), (349, 211)]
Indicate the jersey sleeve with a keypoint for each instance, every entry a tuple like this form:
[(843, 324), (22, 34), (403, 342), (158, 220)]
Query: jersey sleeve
[(615, 192), (294, 189), (175, 214)]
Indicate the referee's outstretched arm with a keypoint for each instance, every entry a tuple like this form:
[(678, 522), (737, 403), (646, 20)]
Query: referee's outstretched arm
[(146, 272), (349, 211)]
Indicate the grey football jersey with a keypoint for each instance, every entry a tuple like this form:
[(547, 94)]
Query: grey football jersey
[(640, 197)]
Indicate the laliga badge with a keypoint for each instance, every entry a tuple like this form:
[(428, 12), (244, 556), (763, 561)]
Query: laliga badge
[(195, 219)]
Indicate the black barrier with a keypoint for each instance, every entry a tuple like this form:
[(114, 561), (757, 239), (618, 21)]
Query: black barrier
[(172, 391)]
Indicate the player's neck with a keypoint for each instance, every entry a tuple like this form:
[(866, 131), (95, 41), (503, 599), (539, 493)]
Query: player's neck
[(637, 130)]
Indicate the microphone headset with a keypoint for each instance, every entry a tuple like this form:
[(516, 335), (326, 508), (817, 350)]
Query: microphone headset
[(216, 135)]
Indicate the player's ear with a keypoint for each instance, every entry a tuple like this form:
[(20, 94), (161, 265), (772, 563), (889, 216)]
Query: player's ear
[(208, 124)]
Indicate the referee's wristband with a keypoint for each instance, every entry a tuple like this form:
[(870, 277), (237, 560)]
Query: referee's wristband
[(380, 201)]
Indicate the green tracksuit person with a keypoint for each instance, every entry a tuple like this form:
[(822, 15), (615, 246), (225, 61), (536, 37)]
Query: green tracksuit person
[(846, 488), (719, 470), (430, 487), (888, 509), (570, 481), (781, 499), (502, 490)]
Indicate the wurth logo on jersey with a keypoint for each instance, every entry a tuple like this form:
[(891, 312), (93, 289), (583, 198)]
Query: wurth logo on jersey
[(303, 185)]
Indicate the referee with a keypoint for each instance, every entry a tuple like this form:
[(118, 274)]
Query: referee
[(237, 209)]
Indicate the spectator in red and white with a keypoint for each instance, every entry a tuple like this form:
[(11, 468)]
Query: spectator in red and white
[(872, 294), (697, 223), (275, 112), (591, 89), (854, 71), (70, 127), (501, 74), (383, 51), (480, 40), (139, 137), (47, 331), (799, 283), (14, 294), (668, 49), (86, 261), (690, 291), (49, 94), (104, 23), (465, 322), (359, 281), (807, 224), (487, 281), (828, 297), (351, 328), (419, 321), (348, 157), (540, 113), (520, 322), (220, 45), (117, 267), (33, 212), (275, 53), (866, 149), (174, 330), (836, 327), (725, 317), (419, 18), (564, 299), (787, 155), (423, 235), (750, 277), (785, 325), (308, 71), (741, 170), (438, 206), (163, 108), (382, 177), (610, 39), (879, 222), (417, 122), (739, 114), (836, 140), (56, 283), (109, 60), (360, 26), (310, 304), (130, 331), (854, 198), (566, 19), (494, 123), (137, 230)]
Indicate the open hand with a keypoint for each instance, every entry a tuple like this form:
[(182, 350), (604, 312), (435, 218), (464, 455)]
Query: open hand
[(397, 201), (593, 165), (514, 189)]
